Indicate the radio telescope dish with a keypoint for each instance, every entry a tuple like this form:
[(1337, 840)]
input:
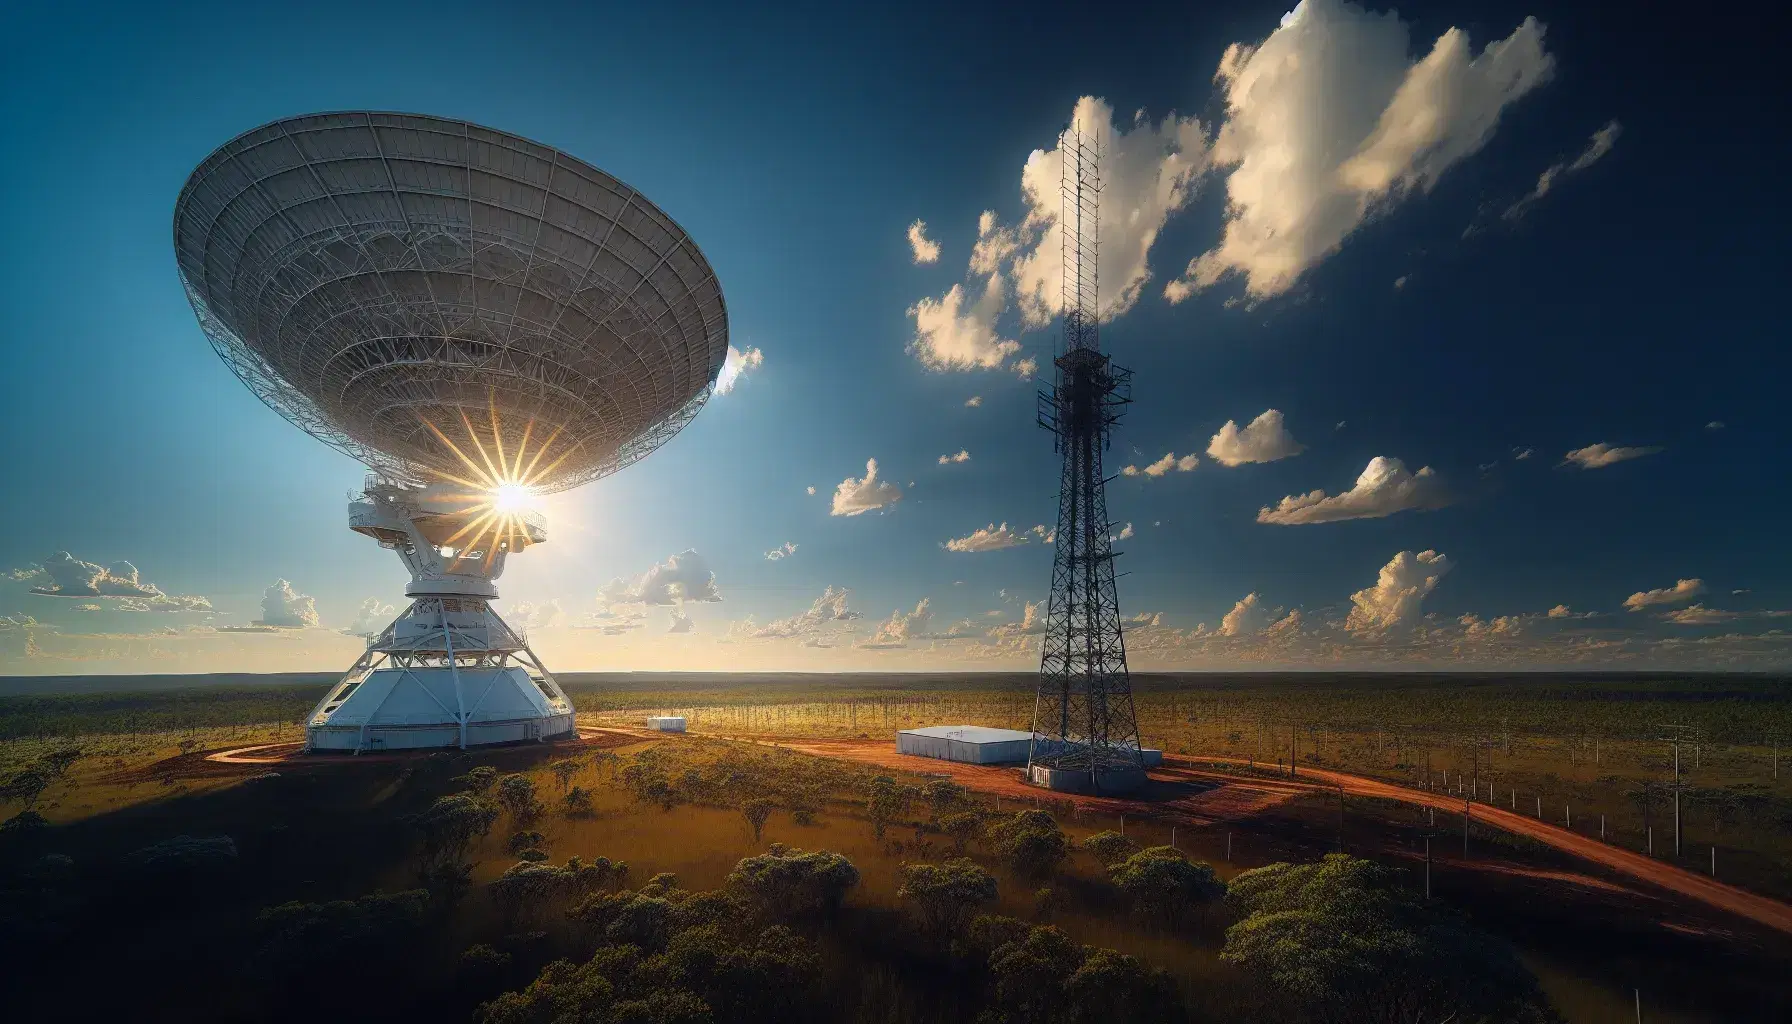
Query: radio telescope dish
[(443, 301)]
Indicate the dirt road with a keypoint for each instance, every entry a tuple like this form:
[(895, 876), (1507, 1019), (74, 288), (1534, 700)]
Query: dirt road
[(1181, 791)]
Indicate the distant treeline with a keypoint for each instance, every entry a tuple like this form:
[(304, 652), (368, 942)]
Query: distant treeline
[(76, 714)]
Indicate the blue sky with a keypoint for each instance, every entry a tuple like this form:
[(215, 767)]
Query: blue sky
[(1630, 305)]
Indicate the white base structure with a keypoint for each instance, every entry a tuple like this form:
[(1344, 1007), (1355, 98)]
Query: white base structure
[(448, 672), (979, 744), (666, 723)]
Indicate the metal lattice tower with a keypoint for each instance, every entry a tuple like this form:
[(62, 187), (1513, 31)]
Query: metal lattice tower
[(1083, 719)]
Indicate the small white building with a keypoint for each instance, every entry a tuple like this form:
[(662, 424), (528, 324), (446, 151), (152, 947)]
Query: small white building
[(666, 723), (972, 744)]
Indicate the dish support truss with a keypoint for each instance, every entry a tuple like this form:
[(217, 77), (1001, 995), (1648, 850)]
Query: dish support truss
[(450, 626)]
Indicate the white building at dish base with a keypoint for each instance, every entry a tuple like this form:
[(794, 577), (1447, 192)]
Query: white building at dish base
[(978, 744), (448, 672), (666, 723)]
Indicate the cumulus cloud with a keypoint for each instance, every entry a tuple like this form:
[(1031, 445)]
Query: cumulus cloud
[(681, 623), (811, 489), (1047, 534), (988, 538), (777, 553), (1384, 488), (286, 608), (827, 611), (1124, 534), (1399, 589), (1521, 454), (1247, 616), (1600, 144), (925, 251), (1699, 615), (683, 577), (856, 497), (1597, 456), (901, 627), (1330, 122), (949, 335), (1032, 622), (962, 456), (736, 366), (373, 614), (536, 615), (1264, 439), (973, 402), (1149, 172), (1164, 466), (64, 575), (1715, 425), (1682, 590)]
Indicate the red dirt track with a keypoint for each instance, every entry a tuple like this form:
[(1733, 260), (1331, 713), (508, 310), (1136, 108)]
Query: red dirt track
[(1209, 796)]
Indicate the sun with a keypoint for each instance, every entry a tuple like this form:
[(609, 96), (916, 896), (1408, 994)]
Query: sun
[(509, 498)]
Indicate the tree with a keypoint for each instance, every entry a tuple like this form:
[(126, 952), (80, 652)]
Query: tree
[(946, 895), (757, 811), (941, 795), (1031, 842), (963, 827), (1110, 848), (1164, 885), (300, 940), (1345, 941), (578, 802), (565, 771), (1111, 986), (516, 794), (786, 882), (886, 803), (479, 781), (449, 827), (57, 762), (26, 786), (1029, 974)]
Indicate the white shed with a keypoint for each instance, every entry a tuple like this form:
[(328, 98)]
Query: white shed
[(666, 723), (972, 744)]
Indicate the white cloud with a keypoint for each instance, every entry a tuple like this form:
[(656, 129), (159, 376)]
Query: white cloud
[(1148, 173), (1500, 626), (683, 577), (1124, 534), (736, 366), (1329, 122), (1600, 144), (1264, 439), (286, 608), (1048, 534), (901, 627), (950, 336), (827, 612), (64, 575), (856, 497), (1169, 463), (1597, 456), (681, 623), (1398, 591), (988, 538), (1699, 615), (529, 615), (925, 251), (1032, 622), (1384, 488), (373, 614), (1247, 616), (973, 402), (1521, 454), (1683, 590), (962, 456), (1025, 368), (1561, 611), (786, 551), (811, 489), (1715, 425), (1399, 282)]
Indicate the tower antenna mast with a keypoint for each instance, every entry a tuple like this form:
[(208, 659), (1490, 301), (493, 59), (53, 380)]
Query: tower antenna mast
[(1085, 731)]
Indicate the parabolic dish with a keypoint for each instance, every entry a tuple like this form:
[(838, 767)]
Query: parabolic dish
[(430, 296)]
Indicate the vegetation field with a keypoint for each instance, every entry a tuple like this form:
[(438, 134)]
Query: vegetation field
[(502, 871)]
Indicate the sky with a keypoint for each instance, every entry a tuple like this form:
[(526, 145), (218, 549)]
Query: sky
[(1453, 328)]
